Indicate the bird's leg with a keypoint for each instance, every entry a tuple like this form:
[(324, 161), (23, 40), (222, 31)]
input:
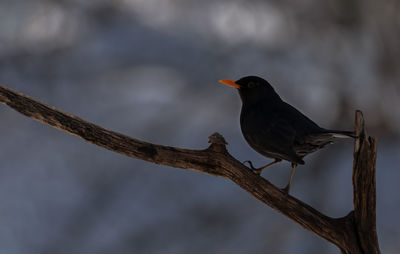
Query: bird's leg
[(287, 188), (258, 170)]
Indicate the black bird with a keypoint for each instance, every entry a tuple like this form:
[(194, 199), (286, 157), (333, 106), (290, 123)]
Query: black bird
[(276, 129)]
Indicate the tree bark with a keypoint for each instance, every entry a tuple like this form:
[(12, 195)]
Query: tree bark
[(364, 187), (354, 233)]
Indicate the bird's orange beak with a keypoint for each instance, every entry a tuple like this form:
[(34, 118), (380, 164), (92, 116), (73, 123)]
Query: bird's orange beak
[(229, 83)]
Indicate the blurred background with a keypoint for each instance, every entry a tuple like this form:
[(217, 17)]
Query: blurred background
[(149, 69)]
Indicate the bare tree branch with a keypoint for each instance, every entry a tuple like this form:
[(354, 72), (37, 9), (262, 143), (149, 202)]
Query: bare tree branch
[(347, 232), (364, 196)]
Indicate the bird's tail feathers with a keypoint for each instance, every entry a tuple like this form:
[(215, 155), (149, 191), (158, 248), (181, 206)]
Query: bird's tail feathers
[(341, 134)]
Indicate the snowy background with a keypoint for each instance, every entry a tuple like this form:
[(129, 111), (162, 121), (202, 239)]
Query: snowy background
[(149, 69)]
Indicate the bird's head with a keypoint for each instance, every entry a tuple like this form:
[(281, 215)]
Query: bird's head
[(252, 88)]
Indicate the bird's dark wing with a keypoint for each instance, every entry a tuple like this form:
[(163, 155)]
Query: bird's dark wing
[(298, 120)]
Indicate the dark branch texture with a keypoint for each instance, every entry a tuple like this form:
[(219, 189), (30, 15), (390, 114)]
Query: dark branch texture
[(354, 233)]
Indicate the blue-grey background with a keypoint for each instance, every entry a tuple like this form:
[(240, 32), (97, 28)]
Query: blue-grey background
[(149, 69)]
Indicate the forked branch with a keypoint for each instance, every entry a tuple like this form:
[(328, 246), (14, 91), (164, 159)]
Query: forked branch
[(347, 232)]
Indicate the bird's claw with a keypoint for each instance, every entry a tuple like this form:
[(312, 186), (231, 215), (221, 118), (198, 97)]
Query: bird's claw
[(256, 170), (286, 189), (250, 164)]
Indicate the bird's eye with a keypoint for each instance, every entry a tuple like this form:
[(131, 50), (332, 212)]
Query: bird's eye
[(251, 84)]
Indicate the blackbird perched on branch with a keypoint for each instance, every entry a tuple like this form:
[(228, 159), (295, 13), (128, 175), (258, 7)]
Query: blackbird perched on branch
[(276, 129)]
